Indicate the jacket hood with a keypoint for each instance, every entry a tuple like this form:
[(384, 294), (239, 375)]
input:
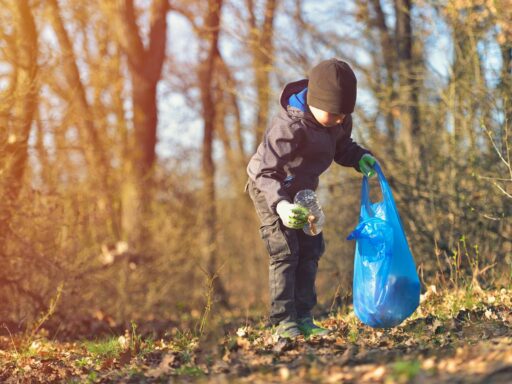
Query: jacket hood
[(291, 89), (295, 113)]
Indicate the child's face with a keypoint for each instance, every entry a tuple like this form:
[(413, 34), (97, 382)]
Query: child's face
[(325, 118)]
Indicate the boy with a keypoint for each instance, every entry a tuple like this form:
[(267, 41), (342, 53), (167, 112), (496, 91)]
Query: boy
[(311, 130)]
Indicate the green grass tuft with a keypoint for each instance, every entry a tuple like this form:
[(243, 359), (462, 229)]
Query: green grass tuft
[(104, 348), (405, 371)]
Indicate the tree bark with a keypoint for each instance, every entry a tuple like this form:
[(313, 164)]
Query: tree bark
[(145, 67), (387, 44), (262, 49), (408, 91), (207, 83), (95, 154), (18, 125)]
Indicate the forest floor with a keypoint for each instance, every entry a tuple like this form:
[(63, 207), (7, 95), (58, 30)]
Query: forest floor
[(453, 337)]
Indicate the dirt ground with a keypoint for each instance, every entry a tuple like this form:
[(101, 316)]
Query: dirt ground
[(450, 339)]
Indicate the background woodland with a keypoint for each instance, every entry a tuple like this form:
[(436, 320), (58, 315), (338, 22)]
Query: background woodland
[(126, 127)]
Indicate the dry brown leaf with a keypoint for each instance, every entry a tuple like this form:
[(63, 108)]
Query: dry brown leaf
[(164, 368), (243, 343), (125, 357)]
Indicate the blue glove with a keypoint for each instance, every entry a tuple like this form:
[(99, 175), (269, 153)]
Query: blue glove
[(366, 164)]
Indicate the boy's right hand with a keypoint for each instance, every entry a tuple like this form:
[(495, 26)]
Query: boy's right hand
[(292, 215)]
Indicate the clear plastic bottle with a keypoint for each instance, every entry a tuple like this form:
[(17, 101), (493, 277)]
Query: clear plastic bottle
[(307, 198)]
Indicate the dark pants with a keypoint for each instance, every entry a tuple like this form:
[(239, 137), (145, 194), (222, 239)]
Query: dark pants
[(293, 263)]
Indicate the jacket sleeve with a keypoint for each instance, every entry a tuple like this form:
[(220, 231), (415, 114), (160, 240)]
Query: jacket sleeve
[(280, 144), (348, 152)]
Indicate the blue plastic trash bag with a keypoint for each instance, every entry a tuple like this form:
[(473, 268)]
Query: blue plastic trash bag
[(386, 286)]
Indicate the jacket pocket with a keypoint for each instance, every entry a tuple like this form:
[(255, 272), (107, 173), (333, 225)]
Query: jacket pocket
[(275, 241)]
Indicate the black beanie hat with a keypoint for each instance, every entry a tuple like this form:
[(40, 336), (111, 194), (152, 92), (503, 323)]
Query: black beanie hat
[(332, 87)]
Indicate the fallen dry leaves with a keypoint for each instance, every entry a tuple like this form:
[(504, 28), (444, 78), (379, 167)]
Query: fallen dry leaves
[(449, 339)]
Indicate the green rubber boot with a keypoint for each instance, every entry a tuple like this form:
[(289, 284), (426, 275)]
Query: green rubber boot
[(308, 328), (287, 330)]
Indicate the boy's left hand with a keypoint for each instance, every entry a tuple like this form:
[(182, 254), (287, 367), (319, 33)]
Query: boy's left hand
[(366, 164)]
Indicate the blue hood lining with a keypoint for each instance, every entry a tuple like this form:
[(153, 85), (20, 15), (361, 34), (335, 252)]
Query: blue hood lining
[(298, 100)]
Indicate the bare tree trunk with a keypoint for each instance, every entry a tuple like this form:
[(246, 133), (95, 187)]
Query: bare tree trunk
[(145, 66), (506, 78), (95, 156), (207, 81), (388, 53), (18, 124), (408, 84), (262, 49)]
